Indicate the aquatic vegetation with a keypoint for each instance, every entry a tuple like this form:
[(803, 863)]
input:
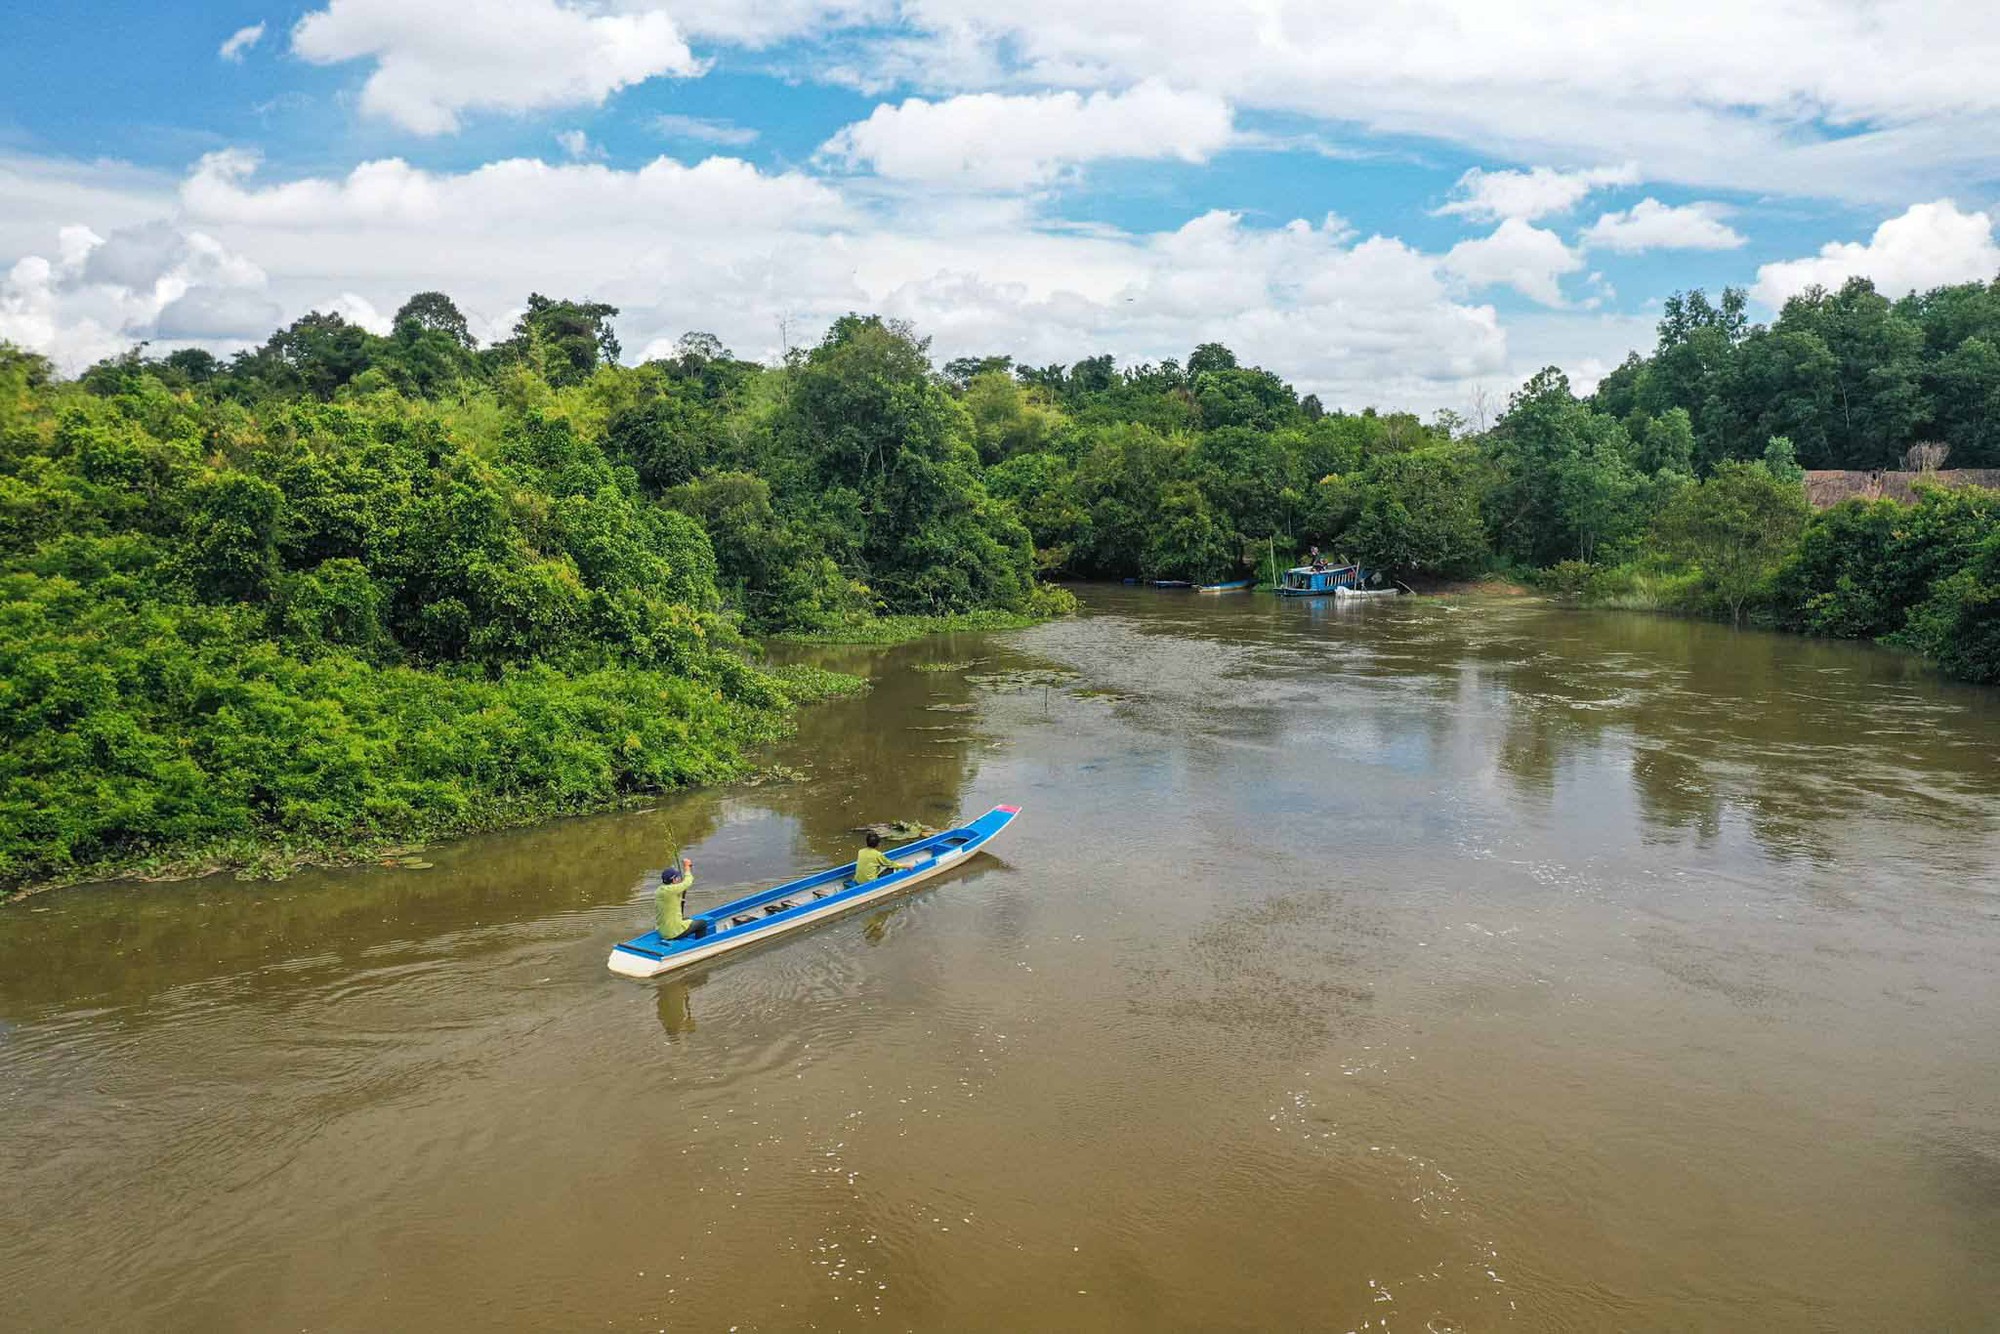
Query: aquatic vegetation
[(897, 829), (1024, 678)]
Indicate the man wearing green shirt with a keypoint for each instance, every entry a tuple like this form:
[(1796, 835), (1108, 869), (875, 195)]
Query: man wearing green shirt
[(872, 862), (670, 900)]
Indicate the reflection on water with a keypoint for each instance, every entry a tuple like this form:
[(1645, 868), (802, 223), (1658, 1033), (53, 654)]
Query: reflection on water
[(677, 1004), (877, 928), (1418, 964)]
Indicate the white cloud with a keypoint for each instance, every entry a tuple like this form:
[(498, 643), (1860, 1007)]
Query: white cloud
[(756, 23), (1358, 322), (1490, 196), (720, 245), (104, 293), (1530, 259), (1886, 101), (45, 194), (241, 41), (359, 310), (1651, 225), (434, 61), (224, 316), (703, 130), (392, 201), (1703, 92), (1003, 142), (1926, 246), (576, 144)]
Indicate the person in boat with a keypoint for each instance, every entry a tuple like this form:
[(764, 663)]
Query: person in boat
[(1314, 559), (871, 862), (670, 900)]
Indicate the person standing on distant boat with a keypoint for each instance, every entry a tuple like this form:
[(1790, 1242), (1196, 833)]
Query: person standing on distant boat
[(670, 900), (871, 862)]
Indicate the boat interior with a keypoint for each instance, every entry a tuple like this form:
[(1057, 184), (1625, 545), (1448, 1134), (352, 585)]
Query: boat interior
[(750, 913)]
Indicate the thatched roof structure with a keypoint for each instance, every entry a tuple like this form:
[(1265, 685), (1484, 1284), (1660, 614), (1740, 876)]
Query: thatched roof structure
[(1829, 486)]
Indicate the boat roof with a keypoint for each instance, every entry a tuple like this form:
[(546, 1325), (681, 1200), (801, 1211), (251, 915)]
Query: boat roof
[(1329, 569)]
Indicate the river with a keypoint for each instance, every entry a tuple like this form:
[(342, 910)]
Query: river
[(1421, 965)]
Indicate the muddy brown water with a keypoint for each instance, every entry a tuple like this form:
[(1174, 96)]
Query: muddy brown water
[(1415, 966)]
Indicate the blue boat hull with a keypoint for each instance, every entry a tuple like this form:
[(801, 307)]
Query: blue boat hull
[(1233, 586), (771, 913), (1306, 582)]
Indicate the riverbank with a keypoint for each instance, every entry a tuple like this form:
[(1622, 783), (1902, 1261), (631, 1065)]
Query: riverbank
[(607, 747), (443, 758), (889, 631), (1491, 585)]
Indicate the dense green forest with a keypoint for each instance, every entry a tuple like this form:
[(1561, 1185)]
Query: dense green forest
[(346, 589), (349, 590)]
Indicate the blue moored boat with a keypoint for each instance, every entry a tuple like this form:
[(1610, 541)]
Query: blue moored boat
[(1303, 581), (1233, 586), (770, 913)]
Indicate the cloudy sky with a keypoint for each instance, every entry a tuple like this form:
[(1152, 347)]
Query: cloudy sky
[(1400, 204)]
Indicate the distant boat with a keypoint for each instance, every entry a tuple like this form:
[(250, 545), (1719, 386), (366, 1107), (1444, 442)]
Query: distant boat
[(1366, 592), (770, 913), (1233, 586), (1173, 583), (1303, 581)]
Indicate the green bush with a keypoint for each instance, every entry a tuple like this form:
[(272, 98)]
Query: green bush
[(1570, 578), (1959, 623), (351, 626), (1861, 569)]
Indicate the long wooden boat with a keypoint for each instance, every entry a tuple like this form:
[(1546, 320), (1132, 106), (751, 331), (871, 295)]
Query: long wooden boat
[(1233, 586), (1173, 583), (770, 913), (1344, 593)]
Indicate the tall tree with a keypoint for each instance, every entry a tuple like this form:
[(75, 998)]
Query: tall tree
[(434, 312), (1737, 527), (565, 340)]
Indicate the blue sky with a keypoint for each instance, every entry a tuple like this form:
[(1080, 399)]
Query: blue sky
[(1412, 206)]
